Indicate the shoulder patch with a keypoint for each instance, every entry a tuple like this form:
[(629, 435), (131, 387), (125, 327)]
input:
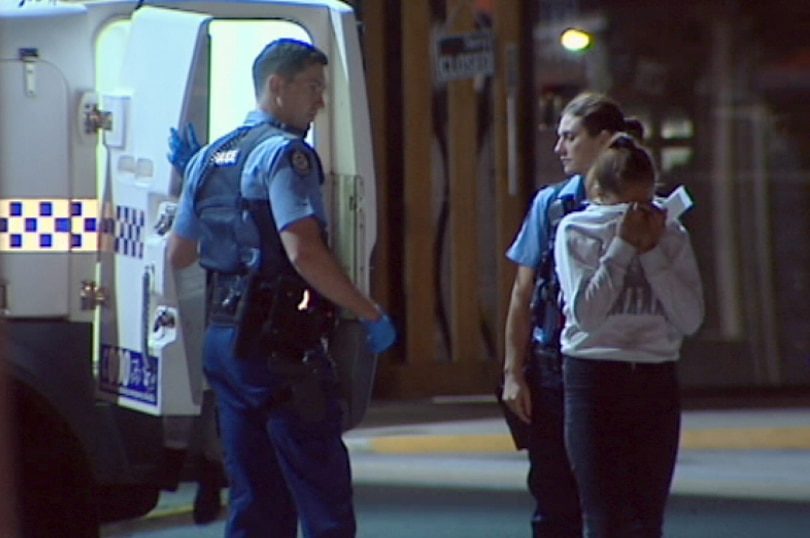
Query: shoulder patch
[(300, 162)]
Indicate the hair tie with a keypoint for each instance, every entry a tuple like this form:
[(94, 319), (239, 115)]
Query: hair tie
[(622, 140)]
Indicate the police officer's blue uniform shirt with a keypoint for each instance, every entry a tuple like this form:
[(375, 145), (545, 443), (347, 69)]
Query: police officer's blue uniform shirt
[(283, 169), (531, 242)]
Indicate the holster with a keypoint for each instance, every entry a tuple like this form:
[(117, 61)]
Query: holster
[(308, 385), (225, 292), (283, 316)]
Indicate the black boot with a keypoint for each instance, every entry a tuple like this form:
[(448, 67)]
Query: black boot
[(207, 501)]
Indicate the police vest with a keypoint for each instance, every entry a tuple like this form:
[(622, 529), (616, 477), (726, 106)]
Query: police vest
[(545, 304), (238, 235), (252, 285)]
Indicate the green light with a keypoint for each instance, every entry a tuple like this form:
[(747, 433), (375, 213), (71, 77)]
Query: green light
[(576, 40)]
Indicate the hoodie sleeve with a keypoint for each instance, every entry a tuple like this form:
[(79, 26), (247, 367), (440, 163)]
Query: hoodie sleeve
[(589, 280), (672, 271)]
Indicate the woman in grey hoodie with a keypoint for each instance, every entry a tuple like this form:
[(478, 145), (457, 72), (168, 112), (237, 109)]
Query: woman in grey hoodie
[(631, 291)]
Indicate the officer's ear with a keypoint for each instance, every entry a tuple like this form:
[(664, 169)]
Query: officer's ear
[(604, 138), (274, 83)]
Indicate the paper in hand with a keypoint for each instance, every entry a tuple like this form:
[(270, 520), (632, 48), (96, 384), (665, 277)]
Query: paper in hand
[(677, 203)]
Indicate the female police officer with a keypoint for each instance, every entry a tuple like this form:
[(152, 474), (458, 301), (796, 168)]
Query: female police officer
[(533, 387), (262, 241)]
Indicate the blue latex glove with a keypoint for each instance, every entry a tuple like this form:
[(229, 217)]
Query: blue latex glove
[(381, 334), (182, 145)]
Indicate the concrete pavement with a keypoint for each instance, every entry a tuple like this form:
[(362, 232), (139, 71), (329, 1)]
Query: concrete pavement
[(760, 453), (750, 429)]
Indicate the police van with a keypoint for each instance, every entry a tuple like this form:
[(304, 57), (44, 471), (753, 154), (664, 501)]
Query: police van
[(102, 338)]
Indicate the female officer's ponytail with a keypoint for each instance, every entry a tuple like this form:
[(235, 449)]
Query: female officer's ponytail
[(634, 128)]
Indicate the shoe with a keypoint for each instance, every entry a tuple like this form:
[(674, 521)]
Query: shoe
[(207, 503)]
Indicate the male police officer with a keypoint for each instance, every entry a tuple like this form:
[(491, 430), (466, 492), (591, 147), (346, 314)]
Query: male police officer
[(272, 283)]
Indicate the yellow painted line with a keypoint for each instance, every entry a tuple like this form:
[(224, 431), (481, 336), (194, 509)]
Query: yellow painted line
[(710, 439), (413, 444), (747, 439), (179, 510)]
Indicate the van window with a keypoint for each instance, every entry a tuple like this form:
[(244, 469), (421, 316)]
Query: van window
[(234, 46), (223, 92)]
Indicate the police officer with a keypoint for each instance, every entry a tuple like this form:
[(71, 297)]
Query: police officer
[(532, 385), (272, 284)]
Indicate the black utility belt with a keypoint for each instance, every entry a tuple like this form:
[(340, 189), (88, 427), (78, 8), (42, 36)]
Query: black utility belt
[(281, 315)]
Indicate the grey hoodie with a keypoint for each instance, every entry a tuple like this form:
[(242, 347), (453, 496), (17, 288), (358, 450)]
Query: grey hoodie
[(621, 305)]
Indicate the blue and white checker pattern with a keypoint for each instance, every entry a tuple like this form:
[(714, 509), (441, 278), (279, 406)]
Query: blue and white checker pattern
[(47, 225), (122, 230)]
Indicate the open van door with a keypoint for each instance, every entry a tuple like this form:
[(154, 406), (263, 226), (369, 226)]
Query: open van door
[(148, 360), (181, 67)]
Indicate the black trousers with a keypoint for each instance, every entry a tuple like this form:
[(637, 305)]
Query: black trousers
[(622, 428), (550, 480)]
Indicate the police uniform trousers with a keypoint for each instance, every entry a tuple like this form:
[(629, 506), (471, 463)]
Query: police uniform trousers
[(282, 468), (550, 480)]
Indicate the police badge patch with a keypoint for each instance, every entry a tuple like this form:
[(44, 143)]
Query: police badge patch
[(300, 162)]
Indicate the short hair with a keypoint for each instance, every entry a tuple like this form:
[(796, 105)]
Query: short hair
[(598, 112), (621, 164), (285, 57)]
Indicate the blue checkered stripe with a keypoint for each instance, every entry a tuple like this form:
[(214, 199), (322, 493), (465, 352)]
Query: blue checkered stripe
[(48, 225), (125, 231)]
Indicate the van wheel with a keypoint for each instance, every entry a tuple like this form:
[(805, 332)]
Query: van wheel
[(56, 489)]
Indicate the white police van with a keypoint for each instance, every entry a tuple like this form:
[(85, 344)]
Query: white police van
[(102, 337)]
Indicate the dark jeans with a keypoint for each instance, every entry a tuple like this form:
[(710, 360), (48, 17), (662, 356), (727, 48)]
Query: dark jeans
[(622, 426), (550, 479)]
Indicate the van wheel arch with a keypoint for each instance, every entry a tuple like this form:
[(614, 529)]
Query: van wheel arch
[(56, 489)]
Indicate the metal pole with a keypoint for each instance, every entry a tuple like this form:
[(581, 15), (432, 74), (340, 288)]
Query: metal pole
[(723, 194)]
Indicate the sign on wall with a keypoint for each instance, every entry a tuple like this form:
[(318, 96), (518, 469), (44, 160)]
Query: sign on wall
[(464, 56)]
